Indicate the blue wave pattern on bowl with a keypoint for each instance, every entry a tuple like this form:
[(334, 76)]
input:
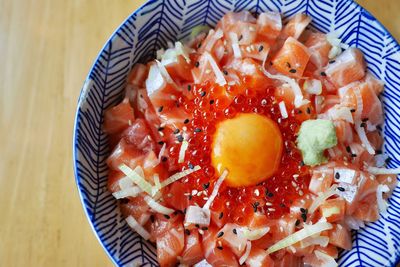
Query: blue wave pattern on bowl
[(160, 21)]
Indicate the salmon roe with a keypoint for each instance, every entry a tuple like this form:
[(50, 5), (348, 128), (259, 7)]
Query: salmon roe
[(211, 104)]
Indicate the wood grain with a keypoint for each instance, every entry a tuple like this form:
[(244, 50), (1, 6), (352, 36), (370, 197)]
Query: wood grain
[(46, 50)]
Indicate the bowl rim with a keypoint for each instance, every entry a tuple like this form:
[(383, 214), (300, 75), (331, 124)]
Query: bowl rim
[(82, 91)]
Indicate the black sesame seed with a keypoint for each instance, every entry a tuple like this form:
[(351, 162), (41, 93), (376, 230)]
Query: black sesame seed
[(203, 94), (141, 96), (387, 160), (353, 155), (288, 65), (180, 138), (341, 189), (292, 71), (198, 45), (323, 73), (164, 158), (152, 219), (260, 48), (205, 228), (332, 61), (190, 165), (364, 120), (161, 142), (379, 128), (303, 210), (225, 72), (304, 217), (297, 222), (124, 201), (301, 163), (184, 211), (352, 110), (197, 226), (271, 63), (221, 215), (220, 248), (378, 151), (282, 205), (189, 87), (270, 194), (348, 149), (190, 197), (160, 108), (363, 124), (197, 64), (167, 216), (160, 129), (212, 101), (240, 38), (308, 110), (299, 111), (234, 231), (186, 121), (220, 234), (197, 130), (176, 131), (206, 185), (337, 175), (187, 231)]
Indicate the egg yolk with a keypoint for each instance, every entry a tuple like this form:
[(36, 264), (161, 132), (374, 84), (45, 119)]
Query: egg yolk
[(249, 146)]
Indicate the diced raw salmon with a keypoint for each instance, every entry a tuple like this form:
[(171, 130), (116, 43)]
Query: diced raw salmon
[(289, 259), (376, 85), (367, 209), (333, 209), (388, 179), (321, 179), (344, 131), (259, 258), (118, 118), (319, 48), (138, 75), (329, 250), (292, 58), (175, 197), (296, 25), (180, 70), (193, 251), (348, 67), (236, 242), (215, 254), (269, 25), (139, 135), (258, 50), (250, 70), (340, 236), (113, 179), (137, 208), (125, 153), (170, 245)]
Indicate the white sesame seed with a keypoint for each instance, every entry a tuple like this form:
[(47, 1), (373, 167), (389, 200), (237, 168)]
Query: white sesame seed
[(161, 133), (199, 193), (251, 28), (248, 49), (257, 192), (271, 209), (173, 97), (194, 192), (295, 175), (201, 232), (205, 198), (268, 204), (389, 179), (208, 71), (294, 184), (281, 228), (129, 122), (301, 193)]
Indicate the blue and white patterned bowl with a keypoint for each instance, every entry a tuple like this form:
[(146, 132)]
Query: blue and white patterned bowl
[(159, 21)]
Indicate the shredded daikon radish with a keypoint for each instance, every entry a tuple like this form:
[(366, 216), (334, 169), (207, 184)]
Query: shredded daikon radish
[(127, 192), (235, 45), (220, 79), (307, 231), (322, 241), (157, 206), (282, 108), (353, 223), (382, 204), (377, 171), (136, 178), (137, 227), (214, 38), (322, 197), (179, 175), (253, 234), (246, 253), (164, 72), (125, 183), (162, 151), (340, 113), (182, 151), (154, 81), (344, 175), (216, 188)]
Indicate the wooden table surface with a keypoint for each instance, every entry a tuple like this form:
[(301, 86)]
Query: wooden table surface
[(46, 50)]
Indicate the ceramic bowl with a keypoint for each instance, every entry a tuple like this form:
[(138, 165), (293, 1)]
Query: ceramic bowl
[(159, 21)]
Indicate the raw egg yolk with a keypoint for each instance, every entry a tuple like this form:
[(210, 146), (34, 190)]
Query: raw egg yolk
[(249, 146)]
